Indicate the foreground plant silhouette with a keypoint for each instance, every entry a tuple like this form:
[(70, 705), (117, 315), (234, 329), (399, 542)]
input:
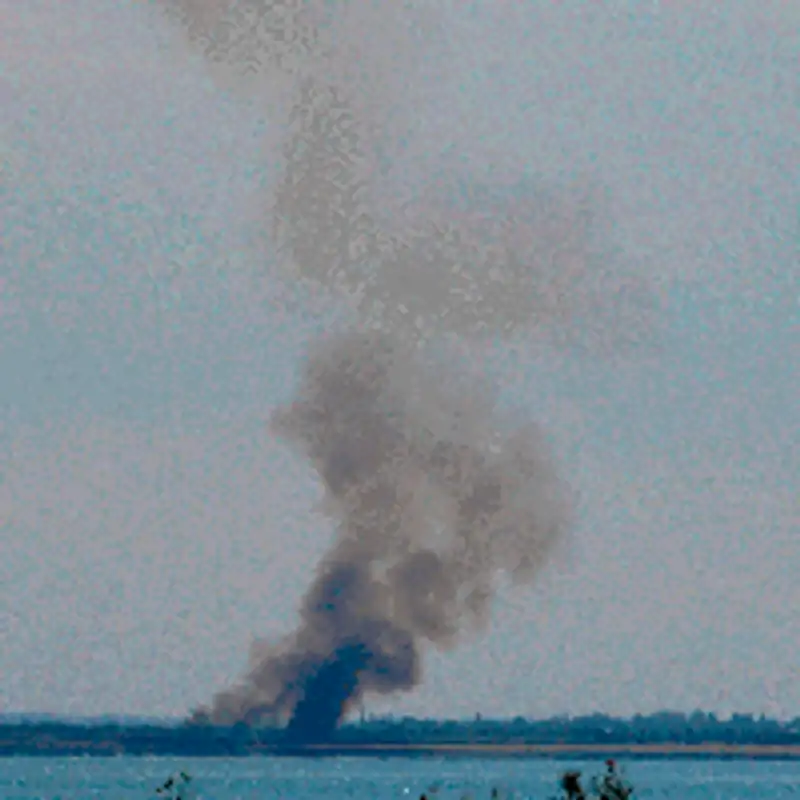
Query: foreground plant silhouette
[(176, 787)]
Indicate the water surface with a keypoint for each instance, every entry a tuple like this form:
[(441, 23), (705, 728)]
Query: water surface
[(389, 779)]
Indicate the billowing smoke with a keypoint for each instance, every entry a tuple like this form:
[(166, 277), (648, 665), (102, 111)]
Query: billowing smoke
[(434, 504), (435, 497)]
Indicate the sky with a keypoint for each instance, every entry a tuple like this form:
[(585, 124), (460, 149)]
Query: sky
[(152, 527)]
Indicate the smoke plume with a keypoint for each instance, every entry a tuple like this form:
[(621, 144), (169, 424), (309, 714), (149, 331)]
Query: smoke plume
[(434, 496)]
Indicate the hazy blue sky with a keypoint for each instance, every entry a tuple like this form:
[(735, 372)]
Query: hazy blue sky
[(150, 525)]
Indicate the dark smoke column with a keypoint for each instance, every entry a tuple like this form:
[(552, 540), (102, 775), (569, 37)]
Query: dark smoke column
[(326, 694)]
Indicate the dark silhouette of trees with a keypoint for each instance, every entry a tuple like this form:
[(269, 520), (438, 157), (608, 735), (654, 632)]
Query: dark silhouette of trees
[(198, 738)]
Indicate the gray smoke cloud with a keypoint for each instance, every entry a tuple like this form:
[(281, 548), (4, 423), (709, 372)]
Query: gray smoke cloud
[(435, 495), (435, 501)]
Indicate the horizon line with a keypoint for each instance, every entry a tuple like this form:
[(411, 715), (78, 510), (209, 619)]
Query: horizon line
[(477, 717)]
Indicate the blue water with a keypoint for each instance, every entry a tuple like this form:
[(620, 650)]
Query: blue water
[(391, 779)]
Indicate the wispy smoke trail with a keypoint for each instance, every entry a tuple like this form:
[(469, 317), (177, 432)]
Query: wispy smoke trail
[(535, 257), (434, 495)]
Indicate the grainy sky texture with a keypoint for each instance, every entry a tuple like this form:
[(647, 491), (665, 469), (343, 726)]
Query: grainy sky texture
[(151, 524)]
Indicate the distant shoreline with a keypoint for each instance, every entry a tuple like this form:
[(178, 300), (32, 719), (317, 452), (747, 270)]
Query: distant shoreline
[(713, 750), (664, 735), (676, 751)]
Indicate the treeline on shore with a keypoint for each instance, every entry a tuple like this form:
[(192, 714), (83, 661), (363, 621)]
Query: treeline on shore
[(103, 737)]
